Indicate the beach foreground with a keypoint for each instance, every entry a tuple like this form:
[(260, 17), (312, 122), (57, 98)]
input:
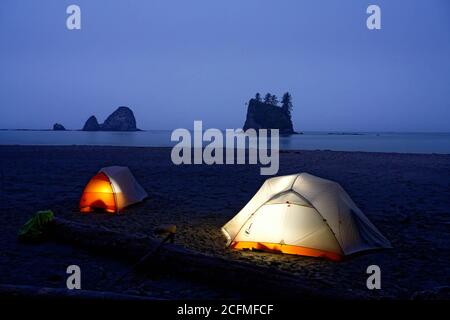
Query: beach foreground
[(407, 196)]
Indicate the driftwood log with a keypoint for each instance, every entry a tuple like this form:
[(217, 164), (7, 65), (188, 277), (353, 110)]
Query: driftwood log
[(21, 291), (251, 280)]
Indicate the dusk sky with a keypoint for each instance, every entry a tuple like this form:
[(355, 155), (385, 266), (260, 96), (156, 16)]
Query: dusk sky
[(174, 62)]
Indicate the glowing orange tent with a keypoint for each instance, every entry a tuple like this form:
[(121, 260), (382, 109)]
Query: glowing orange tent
[(111, 190)]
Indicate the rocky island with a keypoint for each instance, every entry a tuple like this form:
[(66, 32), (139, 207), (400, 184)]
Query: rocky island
[(120, 120), (58, 127), (266, 114), (91, 124)]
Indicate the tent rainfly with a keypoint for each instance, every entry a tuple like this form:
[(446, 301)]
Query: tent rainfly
[(305, 215), (111, 190)]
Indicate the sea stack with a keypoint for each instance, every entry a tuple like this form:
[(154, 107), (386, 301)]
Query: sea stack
[(262, 115), (120, 120), (91, 124), (58, 127)]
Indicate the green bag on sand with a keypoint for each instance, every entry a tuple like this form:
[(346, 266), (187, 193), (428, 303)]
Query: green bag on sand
[(34, 229)]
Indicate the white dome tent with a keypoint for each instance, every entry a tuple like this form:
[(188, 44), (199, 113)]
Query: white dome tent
[(305, 215)]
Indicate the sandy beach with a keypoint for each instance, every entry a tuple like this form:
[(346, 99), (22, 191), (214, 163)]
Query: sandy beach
[(407, 196)]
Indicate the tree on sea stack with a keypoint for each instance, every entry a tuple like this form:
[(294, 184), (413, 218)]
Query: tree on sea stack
[(274, 100), (258, 97), (286, 104), (268, 98)]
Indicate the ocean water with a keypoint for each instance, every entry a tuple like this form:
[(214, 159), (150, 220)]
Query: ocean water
[(364, 141)]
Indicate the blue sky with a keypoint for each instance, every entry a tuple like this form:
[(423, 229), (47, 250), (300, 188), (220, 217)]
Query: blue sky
[(174, 62)]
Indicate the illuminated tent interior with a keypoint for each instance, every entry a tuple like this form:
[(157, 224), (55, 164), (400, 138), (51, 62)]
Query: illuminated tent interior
[(111, 190), (304, 215)]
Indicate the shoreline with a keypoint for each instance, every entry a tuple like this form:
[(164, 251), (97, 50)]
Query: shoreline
[(330, 132), (406, 143), (169, 147)]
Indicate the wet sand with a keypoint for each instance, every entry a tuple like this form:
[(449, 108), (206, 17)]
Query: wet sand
[(407, 196)]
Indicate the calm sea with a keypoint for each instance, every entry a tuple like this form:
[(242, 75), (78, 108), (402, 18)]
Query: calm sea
[(372, 142)]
